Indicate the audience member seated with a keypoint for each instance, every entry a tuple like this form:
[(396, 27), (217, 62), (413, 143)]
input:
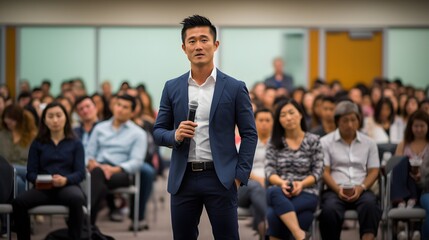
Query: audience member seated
[(269, 97), (294, 162), (327, 124), (384, 127), (87, 112), (4, 91), (411, 105), (149, 113), (253, 195), (316, 110), (424, 199), (55, 152), (424, 105), (114, 152), (351, 167), (102, 105), (257, 91), (307, 106), (405, 189), (16, 136), (147, 170)]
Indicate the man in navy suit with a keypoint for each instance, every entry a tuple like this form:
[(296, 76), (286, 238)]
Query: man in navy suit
[(206, 168)]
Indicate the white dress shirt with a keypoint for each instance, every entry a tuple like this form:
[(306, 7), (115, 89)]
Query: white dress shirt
[(349, 163), (199, 149)]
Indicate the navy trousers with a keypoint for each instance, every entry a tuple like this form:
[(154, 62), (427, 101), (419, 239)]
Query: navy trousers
[(304, 205), (70, 196), (203, 189), (332, 216), (403, 186)]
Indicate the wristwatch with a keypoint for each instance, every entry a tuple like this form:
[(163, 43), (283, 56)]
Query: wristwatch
[(363, 187)]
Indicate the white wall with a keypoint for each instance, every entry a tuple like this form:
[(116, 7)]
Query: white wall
[(408, 56), (304, 13)]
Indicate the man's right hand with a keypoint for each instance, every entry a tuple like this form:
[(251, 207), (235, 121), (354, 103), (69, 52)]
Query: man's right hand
[(186, 129)]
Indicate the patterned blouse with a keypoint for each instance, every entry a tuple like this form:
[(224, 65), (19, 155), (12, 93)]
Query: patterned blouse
[(297, 164)]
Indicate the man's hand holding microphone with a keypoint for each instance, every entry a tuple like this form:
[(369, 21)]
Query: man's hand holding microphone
[(186, 128)]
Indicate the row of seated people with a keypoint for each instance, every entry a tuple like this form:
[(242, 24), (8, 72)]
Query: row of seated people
[(291, 162), (112, 150)]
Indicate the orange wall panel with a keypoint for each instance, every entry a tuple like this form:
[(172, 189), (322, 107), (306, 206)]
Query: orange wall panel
[(353, 61), (11, 59)]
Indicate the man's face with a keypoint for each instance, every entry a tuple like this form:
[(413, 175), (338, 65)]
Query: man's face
[(269, 97), (355, 95), (87, 110), (200, 46), (328, 109), (122, 110), (278, 66), (107, 88), (348, 125), (37, 95), (45, 88), (24, 101), (264, 123)]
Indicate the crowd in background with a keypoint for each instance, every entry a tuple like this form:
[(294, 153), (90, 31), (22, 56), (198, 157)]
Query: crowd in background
[(389, 111), (22, 117)]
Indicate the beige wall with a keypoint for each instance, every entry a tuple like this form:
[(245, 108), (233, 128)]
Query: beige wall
[(304, 13)]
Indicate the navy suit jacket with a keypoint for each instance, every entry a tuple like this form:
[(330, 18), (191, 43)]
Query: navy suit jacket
[(230, 107)]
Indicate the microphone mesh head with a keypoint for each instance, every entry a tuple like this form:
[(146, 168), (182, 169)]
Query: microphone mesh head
[(193, 105)]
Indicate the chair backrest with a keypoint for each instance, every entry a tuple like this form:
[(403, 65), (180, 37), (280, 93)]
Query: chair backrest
[(7, 183), (386, 147), (393, 161)]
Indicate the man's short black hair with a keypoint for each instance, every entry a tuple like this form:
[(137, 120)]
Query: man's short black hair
[(263, 110), (80, 99), (197, 21), (46, 82), (129, 98), (329, 99), (24, 95)]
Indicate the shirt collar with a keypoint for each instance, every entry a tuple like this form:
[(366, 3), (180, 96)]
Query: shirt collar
[(337, 136), (127, 124), (212, 76)]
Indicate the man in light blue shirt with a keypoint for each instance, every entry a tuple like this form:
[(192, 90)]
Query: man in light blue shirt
[(115, 151)]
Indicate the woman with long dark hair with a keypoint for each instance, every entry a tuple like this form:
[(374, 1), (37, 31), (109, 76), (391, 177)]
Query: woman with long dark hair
[(293, 166), (384, 126), (55, 152), (406, 185), (16, 136)]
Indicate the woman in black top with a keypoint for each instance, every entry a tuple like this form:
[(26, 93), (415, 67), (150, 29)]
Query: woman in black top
[(55, 152)]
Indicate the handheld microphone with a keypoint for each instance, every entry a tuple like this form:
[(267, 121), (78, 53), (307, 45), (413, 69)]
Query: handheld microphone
[(193, 105)]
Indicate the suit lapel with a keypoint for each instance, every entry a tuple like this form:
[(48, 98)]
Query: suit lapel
[(219, 86), (184, 89)]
